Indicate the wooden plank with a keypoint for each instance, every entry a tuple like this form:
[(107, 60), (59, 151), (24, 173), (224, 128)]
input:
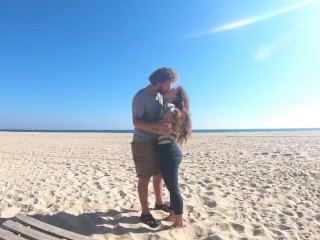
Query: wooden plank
[(26, 231), (6, 235), (51, 229)]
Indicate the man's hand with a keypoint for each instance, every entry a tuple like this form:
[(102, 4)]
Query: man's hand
[(164, 128)]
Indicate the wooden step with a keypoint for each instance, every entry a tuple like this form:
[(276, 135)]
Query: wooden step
[(51, 229), (6, 235), (24, 227), (27, 231)]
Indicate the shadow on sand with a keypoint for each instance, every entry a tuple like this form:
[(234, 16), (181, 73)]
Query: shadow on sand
[(111, 222)]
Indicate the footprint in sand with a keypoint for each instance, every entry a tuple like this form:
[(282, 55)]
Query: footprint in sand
[(224, 226), (200, 231), (238, 227), (288, 213), (211, 203), (258, 232), (278, 233), (284, 227), (287, 155)]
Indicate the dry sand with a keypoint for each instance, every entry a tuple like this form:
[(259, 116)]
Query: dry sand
[(234, 185)]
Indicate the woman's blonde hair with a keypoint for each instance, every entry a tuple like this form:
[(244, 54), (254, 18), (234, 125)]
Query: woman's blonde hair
[(182, 119)]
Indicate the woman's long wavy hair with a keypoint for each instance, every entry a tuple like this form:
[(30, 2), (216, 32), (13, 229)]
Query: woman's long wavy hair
[(182, 119)]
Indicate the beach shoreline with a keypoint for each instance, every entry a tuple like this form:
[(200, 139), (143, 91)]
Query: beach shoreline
[(255, 185)]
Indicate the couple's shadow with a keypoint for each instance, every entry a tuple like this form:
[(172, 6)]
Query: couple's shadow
[(111, 222)]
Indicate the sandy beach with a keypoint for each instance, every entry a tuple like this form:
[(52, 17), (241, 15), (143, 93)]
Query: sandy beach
[(234, 185)]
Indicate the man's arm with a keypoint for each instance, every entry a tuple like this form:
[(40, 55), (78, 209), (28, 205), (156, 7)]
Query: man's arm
[(160, 128)]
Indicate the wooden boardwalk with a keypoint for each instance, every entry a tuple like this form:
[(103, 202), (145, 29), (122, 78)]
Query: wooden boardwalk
[(27, 228)]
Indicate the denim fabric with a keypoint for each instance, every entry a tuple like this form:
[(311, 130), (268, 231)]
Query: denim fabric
[(170, 159)]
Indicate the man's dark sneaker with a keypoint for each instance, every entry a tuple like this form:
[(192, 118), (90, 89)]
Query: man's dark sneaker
[(165, 207), (150, 220)]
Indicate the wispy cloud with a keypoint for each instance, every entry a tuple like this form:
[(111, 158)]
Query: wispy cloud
[(245, 22)]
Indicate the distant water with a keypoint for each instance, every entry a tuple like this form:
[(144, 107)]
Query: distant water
[(195, 131)]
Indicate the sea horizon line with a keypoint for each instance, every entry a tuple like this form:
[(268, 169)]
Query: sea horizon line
[(194, 130)]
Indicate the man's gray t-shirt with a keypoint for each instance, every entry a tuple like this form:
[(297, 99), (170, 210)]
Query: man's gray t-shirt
[(148, 108)]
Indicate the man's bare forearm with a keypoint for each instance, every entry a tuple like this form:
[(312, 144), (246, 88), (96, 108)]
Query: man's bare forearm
[(159, 128)]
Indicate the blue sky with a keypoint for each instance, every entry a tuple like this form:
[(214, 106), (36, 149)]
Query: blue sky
[(76, 64)]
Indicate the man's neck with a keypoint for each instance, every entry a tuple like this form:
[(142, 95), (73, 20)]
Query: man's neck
[(151, 90)]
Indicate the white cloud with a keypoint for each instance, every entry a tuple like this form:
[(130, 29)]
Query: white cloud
[(245, 22)]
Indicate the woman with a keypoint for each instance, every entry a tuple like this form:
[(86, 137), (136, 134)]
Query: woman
[(176, 112)]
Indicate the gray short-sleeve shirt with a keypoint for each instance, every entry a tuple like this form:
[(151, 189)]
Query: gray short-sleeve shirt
[(148, 108)]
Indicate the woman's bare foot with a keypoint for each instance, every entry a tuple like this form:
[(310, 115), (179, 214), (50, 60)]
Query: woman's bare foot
[(179, 225), (179, 222), (171, 217)]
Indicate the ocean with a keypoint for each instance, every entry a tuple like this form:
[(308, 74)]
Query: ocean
[(195, 130)]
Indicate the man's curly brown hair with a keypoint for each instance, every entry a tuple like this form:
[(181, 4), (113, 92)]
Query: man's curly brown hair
[(162, 75)]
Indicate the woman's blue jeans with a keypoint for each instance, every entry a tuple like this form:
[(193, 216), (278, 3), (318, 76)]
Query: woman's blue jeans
[(170, 159)]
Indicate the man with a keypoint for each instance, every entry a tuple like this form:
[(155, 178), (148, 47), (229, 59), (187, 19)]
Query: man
[(146, 110)]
